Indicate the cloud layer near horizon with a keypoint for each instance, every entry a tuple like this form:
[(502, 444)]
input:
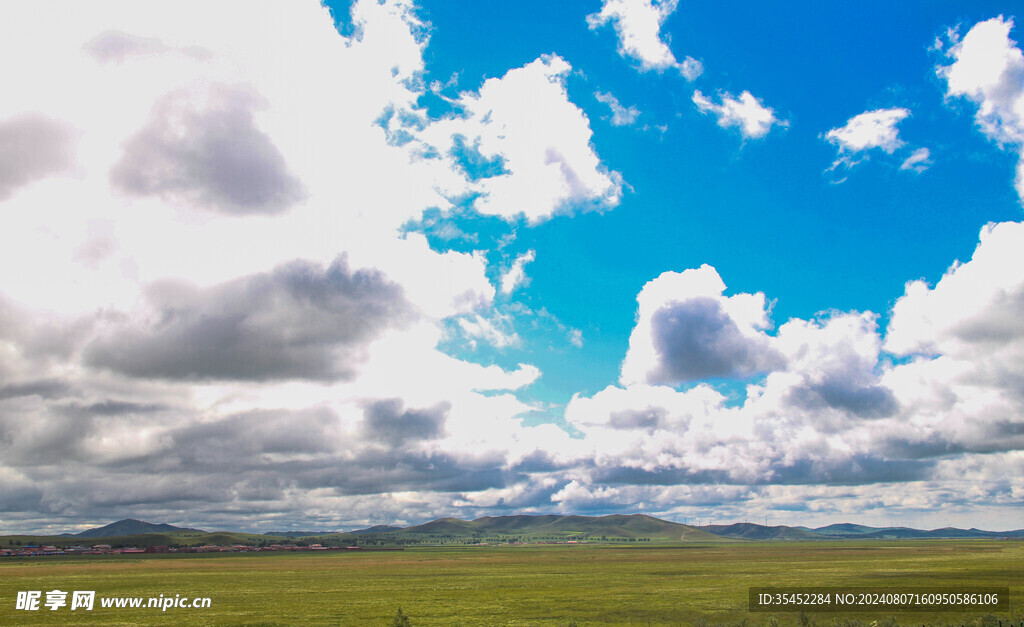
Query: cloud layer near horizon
[(233, 322)]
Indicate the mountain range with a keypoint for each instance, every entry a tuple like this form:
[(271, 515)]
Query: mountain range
[(617, 527), (130, 527)]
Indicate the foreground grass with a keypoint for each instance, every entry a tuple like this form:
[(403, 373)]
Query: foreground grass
[(533, 585)]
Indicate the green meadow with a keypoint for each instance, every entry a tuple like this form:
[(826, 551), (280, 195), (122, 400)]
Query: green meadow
[(679, 584)]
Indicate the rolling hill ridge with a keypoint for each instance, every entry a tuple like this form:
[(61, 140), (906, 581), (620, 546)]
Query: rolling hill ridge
[(615, 528)]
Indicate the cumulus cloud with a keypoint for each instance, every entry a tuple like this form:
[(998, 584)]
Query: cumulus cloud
[(836, 361), (231, 320), (975, 307), (988, 70), (691, 68), (516, 274), (116, 46), (687, 330), (963, 341), (254, 434), (210, 153), (298, 321), (388, 421), (643, 407), (44, 388), (497, 331), (526, 120), (833, 409), (36, 344), (870, 130), (746, 113), (276, 357), (32, 147), (638, 24), (918, 162), (621, 116)]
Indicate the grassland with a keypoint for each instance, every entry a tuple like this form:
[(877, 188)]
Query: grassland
[(681, 584)]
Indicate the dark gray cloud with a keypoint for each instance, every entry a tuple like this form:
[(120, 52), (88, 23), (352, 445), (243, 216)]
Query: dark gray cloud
[(994, 436), (115, 45), (43, 388), (629, 475), (32, 147), (43, 439), (696, 339), (270, 450), (40, 338), (999, 323), (243, 436), (539, 461), (113, 407), (214, 156), (20, 498), (857, 469), (393, 471), (933, 445), (860, 398), (299, 321), (388, 422), (244, 464), (650, 418)]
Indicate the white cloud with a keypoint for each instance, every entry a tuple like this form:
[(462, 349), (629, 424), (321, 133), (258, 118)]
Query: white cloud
[(974, 311), (621, 116), (687, 330), (873, 130), (988, 70), (835, 410), (497, 332), (176, 280), (575, 337), (638, 26), (516, 274), (209, 153), (919, 161), (332, 401), (865, 131), (117, 46), (836, 423), (831, 379), (32, 147), (747, 113), (691, 68), (526, 121)]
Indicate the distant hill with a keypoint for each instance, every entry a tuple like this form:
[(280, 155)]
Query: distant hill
[(377, 529), (298, 534), (840, 529), (850, 531), (131, 527), (945, 532), (635, 529), (553, 527), (752, 531)]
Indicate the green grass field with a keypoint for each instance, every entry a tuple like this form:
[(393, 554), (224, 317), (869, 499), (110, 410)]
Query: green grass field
[(682, 584)]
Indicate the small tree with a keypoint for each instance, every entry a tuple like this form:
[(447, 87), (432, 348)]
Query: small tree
[(400, 620)]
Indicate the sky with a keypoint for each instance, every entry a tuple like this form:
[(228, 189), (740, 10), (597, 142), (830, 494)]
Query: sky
[(273, 265)]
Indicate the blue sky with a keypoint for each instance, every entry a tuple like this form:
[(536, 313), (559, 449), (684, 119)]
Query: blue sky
[(274, 265), (763, 212)]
